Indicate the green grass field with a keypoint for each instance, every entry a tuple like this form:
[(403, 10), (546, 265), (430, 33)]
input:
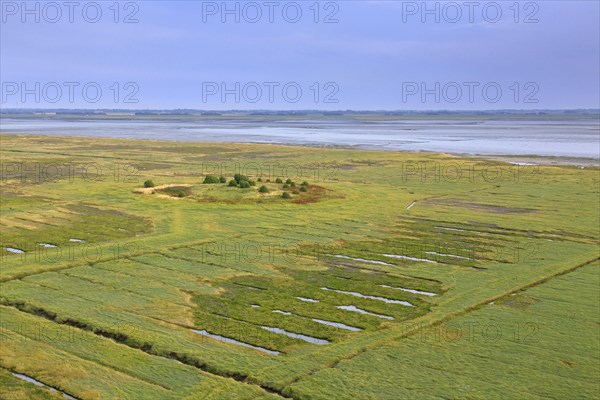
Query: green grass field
[(392, 276)]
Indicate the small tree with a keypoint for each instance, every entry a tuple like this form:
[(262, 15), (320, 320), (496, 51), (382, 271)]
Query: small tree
[(149, 184), (263, 189), (285, 195), (240, 178), (210, 179)]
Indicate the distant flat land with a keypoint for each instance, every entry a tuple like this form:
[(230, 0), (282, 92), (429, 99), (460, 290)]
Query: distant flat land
[(384, 275)]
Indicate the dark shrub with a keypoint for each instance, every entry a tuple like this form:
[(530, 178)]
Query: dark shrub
[(303, 189), (288, 181), (233, 183), (304, 183), (222, 179), (263, 189), (180, 194), (285, 195), (295, 192), (244, 185), (259, 179), (251, 182), (286, 186), (240, 178), (210, 179), (278, 180), (149, 184)]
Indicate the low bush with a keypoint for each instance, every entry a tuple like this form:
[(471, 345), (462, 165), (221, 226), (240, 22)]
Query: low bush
[(149, 184), (263, 189), (239, 178), (210, 179), (285, 195)]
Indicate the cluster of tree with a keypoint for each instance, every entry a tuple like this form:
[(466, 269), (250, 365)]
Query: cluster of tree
[(289, 184), (211, 179), (241, 181)]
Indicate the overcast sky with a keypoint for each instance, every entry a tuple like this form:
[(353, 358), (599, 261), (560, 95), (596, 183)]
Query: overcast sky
[(373, 55)]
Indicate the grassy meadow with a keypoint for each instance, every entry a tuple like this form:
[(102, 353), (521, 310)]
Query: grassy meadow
[(352, 274)]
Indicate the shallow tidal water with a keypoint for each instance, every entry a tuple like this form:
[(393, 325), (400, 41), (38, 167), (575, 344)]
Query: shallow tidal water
[(565, 138)]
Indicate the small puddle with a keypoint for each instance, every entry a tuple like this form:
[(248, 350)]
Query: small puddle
[(384, 299), (358, 310), (451, 229), (233, 341), (322, 321), (14, 250), (409, 258), (282, 312), (76, 240), (410, 290), (306, 299), (47, 245), (38, 383), (447, 255), (308, 339), (361, 259), (337, 325)]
